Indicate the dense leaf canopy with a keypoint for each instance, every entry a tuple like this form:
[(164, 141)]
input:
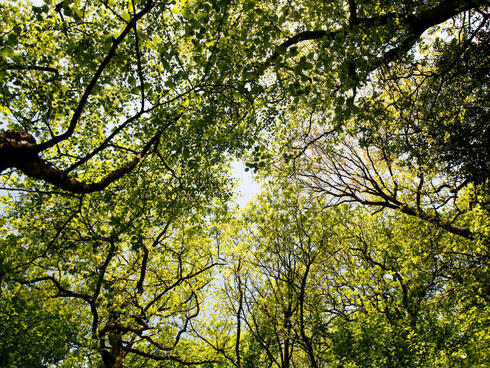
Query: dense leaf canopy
[(366, 121)]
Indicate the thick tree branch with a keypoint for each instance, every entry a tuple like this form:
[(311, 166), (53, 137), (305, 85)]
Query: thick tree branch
[(63, 292), (16, 151), (33, 67), (418, 24), (352, 13), (238, 315), (415, 26), (170, 357), (301, 301)]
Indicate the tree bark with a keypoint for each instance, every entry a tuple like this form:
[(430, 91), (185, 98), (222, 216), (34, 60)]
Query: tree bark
[(18, 151)]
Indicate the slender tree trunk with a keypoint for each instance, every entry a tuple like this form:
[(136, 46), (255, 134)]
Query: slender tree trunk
[(115, 357)]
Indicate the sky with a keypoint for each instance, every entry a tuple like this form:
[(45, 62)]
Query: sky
[(247, 185)]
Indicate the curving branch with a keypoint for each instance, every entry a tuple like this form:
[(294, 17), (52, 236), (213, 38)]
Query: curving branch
[(414, 25), (17, 150)]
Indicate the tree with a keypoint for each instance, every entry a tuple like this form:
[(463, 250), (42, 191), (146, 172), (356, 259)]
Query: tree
[(334, 287), (106, 84), (371, 176), (289, 247), (134, 277), (407, 285), (94, 80), (414, 139)]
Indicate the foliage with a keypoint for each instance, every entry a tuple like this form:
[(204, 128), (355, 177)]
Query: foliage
[(137, 283), (414, 140), (366, 120), (33, 333), (337, 287)]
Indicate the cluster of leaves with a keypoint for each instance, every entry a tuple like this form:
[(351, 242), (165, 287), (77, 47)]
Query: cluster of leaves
[(33, 332), (134, 283), (438, 109)]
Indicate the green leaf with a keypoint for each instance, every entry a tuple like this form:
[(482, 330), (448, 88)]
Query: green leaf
[(125, 15)]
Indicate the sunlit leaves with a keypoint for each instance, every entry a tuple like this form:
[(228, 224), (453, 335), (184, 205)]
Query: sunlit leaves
[(386, 286), (337, 94)]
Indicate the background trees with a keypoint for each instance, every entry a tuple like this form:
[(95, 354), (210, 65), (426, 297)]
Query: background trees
[(334, 287), (367, 120), (393, 145), (135, 284)]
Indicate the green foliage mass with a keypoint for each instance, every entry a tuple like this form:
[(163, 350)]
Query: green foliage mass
[(367, 123), (342, 287), (33, 333)]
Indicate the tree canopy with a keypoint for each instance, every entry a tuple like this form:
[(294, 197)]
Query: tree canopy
[(367, 123)]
